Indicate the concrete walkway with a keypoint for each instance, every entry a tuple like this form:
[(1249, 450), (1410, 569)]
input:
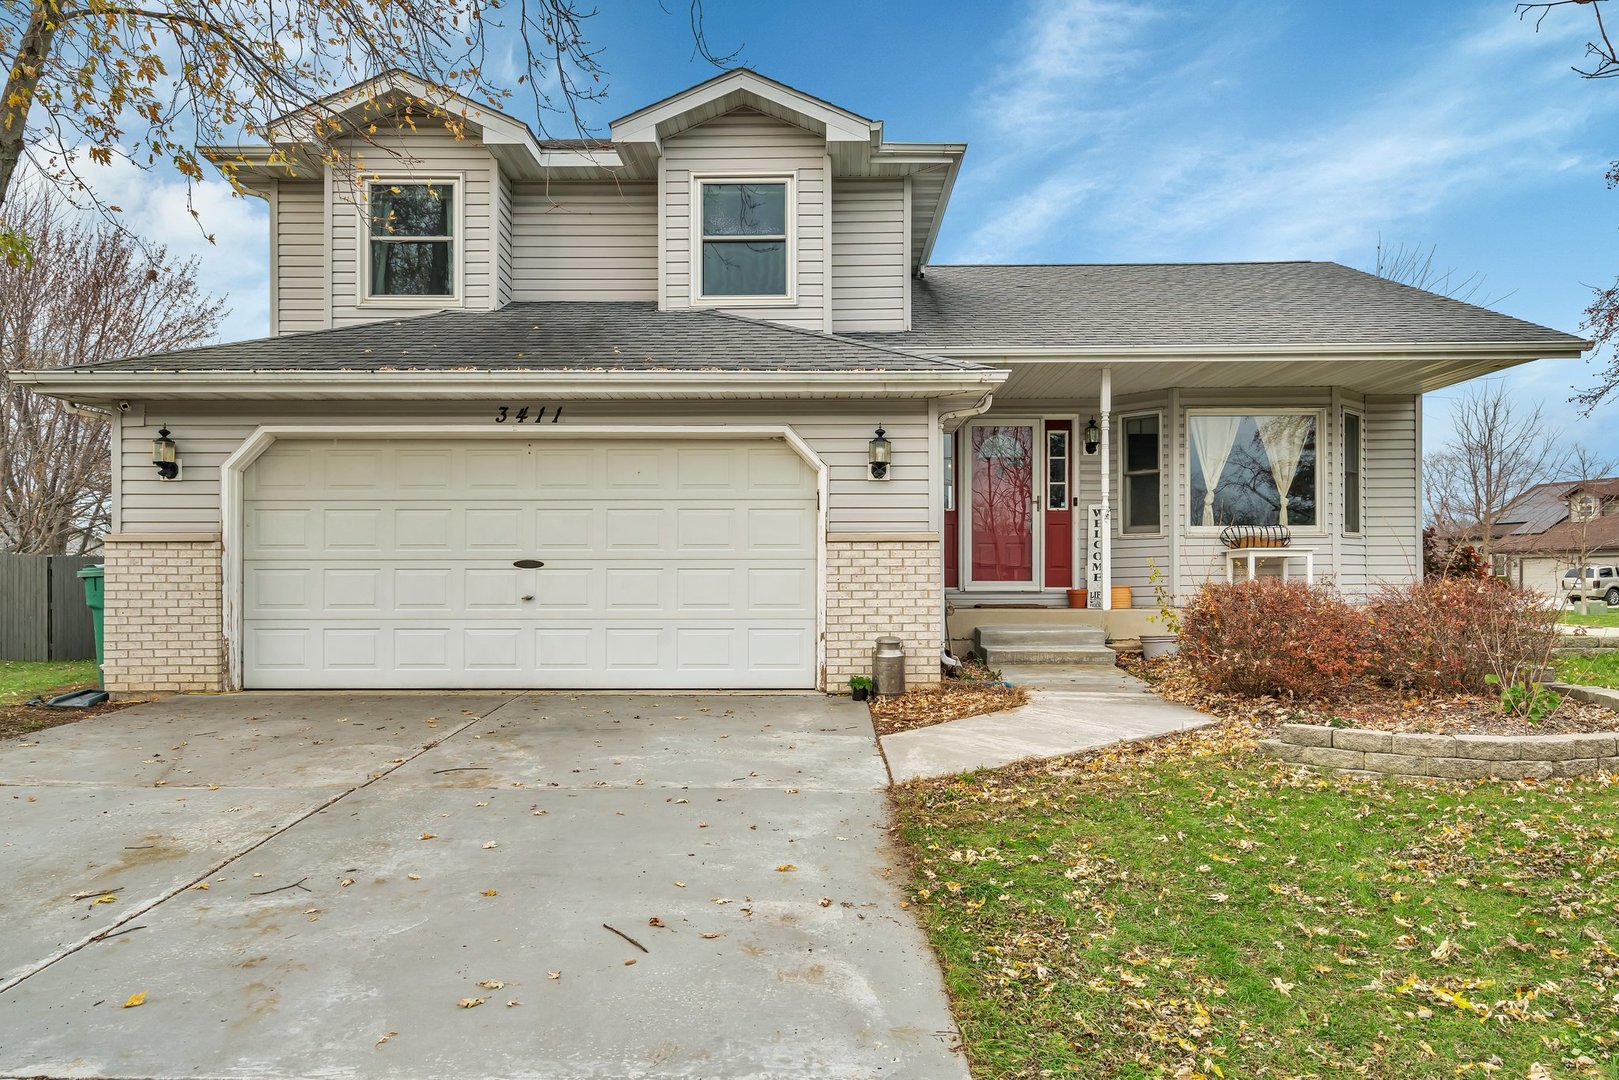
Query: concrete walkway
[(1070, 710)]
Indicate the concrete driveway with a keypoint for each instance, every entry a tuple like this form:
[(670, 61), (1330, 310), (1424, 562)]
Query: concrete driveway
[(306, 885)]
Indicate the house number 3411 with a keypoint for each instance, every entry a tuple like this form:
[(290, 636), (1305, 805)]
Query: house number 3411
[(525, 414)]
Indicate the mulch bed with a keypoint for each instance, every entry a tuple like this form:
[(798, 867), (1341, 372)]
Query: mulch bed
[(1372, 706), (19, 720), (952, 699)]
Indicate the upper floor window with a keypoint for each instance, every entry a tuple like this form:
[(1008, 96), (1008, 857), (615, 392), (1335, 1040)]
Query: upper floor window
[(412, 239), (745, 249), (1585, 508), (1252, 469)]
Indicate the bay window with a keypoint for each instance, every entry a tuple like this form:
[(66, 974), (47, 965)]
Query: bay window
[(1252, 468)]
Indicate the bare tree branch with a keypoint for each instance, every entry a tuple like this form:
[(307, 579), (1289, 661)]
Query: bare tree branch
[(90, 294)]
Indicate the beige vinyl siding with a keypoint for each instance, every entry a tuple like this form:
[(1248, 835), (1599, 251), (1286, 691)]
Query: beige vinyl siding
[(300, 258), (427, 154), (869, 263), (1393, 508), (837, 431), (748, 143), (585, 241)]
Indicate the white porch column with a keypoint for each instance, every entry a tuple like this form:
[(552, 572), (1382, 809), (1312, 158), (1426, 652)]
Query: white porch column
[(1107, 481)]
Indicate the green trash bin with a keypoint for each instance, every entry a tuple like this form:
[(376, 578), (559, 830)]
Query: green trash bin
[(93, 578)]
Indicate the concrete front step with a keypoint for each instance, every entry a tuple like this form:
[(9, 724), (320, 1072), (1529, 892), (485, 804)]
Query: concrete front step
[(1084, 645)]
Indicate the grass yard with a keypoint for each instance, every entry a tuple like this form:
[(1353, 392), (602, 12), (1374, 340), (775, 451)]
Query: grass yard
[(1599, 617), (1188, 909), (21, 680), (1600, 667)]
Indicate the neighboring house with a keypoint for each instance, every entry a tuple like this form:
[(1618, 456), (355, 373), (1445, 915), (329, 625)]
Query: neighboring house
[(1555, 527), (658, 364)]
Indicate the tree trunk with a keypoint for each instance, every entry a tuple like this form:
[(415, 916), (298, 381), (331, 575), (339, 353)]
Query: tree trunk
[(26, 69)]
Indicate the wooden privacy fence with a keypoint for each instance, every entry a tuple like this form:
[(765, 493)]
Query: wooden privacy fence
[(42, 612)]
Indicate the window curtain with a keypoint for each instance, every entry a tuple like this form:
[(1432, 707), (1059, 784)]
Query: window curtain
[(1284, 438), (1216, 437)]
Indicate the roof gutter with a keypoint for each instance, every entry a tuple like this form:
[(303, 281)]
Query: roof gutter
[(90, 384), (1126, 354)]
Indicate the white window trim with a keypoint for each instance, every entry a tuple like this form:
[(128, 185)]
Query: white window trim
[(698, 298), (1121, 472), (1360, 466), (458, 244), (1320, 414)]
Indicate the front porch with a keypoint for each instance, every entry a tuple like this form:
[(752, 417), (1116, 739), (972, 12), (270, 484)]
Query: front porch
[(967, 611)]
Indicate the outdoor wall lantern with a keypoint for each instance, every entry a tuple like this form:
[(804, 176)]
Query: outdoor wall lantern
[(877, 452), (1093, 437), (166, 456)]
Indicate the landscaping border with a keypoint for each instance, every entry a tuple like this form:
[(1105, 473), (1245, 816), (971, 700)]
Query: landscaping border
[(1456, 757)]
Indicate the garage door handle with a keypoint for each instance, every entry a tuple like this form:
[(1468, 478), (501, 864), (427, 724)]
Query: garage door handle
[(529, 597), (528, 564)]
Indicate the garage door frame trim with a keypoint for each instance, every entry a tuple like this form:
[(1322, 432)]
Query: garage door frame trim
[(234, 470)]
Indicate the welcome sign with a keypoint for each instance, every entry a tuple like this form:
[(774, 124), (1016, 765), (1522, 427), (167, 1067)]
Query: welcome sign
[(1093, 555)]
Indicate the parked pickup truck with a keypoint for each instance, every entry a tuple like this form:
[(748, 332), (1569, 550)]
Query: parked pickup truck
[(1601, 583)]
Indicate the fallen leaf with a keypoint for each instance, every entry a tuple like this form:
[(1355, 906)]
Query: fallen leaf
[(680, 884), (629, 963), (721, 900), (654, 921), (469, 1003), (1283, 988), (201, 885), (489, 844), (136, 1000), (108, 899), (346, 882), (426, 836), (553, 974), (710, 937), (490, 892), (786, 868), (414, 877), (491, 984), (384, 1039), (513, 1004), (826, 901)]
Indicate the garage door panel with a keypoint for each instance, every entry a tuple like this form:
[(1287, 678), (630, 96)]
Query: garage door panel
[(684, 567)]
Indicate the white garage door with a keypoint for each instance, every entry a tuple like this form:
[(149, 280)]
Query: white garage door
[(391, 564)]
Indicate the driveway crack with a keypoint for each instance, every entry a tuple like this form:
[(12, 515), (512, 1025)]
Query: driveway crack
[(16, 979)]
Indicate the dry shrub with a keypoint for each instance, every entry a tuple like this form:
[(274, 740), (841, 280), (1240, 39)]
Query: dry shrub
[(1270, 637), (1446, 634)]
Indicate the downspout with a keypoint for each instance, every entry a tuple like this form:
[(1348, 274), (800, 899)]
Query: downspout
[(956, 417), (1107, 481)]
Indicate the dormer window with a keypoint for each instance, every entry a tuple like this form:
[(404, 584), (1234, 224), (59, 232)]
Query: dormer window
[(1585, 508), (746, 254), (412, 242)]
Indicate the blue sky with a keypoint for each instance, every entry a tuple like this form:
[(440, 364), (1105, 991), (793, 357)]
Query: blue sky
[(1113, 131)]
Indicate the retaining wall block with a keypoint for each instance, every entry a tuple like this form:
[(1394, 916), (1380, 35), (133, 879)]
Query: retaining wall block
[(1370, 742), (1576, 767), (1327, 757), (1306, 735), (1418, 745), (1487, 747), (1403, 764), (1276, 748)]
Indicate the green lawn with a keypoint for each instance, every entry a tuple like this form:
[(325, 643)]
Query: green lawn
[(1191, 910), (21, 680), (1600, 616), (1599, 667)]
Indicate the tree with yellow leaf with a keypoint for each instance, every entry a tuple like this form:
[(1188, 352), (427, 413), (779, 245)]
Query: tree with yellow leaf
[(148, 81)]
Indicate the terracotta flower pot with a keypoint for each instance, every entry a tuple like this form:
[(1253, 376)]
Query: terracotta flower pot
[(1077, 598)]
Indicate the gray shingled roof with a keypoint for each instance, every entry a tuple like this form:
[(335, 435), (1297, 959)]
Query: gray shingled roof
[(1195, 304), (549, 336)]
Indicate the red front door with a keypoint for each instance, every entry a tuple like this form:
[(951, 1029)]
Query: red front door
[(1003, 502)]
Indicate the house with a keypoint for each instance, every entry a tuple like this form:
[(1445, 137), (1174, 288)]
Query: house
[(1553, 528), (690, 406)]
